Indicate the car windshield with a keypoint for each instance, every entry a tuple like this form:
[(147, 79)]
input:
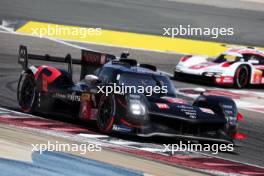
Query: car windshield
[(140, 80), (227, 58)]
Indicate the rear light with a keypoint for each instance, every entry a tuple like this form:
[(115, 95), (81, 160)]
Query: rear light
[(226, 64), (238, 135), (185, 58), (240, 117)]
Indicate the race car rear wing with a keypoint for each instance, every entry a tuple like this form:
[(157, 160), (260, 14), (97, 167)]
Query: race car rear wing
[(90, 60)]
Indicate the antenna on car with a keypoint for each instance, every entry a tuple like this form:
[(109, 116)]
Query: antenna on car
[(124, 55)]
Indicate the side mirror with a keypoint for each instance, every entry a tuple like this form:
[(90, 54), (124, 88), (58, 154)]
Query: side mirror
[(91, 79)]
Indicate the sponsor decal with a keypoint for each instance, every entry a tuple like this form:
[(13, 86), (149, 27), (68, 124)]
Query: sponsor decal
[(67, 96), (188, 110), (206, 110), (175, 100), (228, 109), (162, 106), (85, 112), (73, 97), (87, 107), (92, 58), (121, 128)]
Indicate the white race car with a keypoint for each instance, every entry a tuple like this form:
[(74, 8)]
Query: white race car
[(235, 67)]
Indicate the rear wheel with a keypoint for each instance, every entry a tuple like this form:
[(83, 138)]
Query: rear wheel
[(106, 112), (26, 92), (241, 78)]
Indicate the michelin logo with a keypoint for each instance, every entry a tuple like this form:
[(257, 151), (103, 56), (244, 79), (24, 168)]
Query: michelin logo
[(121, 128)]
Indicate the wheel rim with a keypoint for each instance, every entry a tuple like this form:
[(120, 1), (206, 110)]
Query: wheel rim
[(106, 112), (27, 94), (105, 116)]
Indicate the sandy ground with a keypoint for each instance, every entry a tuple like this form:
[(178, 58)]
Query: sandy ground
[(16, 143)]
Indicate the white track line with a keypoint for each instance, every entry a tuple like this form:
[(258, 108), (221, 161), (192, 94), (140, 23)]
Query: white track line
[(16, 112)]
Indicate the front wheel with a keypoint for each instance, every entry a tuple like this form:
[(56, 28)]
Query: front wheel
[(106, 113), (26, 92), (241, 78)]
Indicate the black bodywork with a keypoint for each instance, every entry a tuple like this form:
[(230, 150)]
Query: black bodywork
[(51, 90)]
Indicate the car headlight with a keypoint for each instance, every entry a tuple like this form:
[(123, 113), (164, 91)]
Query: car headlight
[(137, 107)]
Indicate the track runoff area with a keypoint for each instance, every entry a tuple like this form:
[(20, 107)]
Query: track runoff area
[(200, 162)]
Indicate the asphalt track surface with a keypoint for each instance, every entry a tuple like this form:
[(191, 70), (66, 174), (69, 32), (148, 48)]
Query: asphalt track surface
[(143, 16)]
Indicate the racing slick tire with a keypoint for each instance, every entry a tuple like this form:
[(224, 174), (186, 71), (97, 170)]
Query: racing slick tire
[(241, 78), (26, 92), (106, 113)]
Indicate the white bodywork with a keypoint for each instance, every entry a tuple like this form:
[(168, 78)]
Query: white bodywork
[(223, 73)]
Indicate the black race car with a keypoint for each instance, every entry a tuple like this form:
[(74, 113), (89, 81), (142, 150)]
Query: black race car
[(50, 90)]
